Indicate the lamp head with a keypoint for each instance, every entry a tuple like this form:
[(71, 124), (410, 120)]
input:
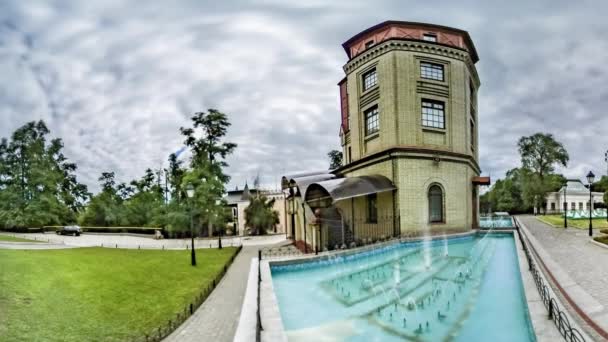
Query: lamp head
[(190, 190), (590, 177)]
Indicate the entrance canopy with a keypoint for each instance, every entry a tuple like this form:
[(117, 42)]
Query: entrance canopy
[(325, 193), (303, 180)]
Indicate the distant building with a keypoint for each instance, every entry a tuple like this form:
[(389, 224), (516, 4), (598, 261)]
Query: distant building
[(409, 136), (573, 196), (238, 201)]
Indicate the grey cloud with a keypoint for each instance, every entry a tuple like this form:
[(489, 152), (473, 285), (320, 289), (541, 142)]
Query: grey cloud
[(116, 80)]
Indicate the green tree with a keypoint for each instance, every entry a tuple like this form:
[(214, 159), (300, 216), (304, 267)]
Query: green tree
[(37, 183), (335, 159), (175, 175), (260, 215), (146, 204), (540, 153), (106, 208), (601, 185), (209, 151)]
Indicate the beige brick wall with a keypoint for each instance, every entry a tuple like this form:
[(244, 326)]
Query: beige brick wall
[(401, 90)]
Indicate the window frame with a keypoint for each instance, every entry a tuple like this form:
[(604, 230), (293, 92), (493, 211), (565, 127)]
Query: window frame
[(432, 103), (429, 37), (441, 197), (376, 110), (473, 137), (364, 76), (372, 208), (431, 66)]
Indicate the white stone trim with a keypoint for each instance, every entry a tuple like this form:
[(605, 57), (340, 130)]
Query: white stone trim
[(272, 323), (246, 329)]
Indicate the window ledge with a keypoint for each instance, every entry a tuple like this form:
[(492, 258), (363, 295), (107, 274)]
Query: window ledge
[(433, 129), (430, 80), (437, 223), (372, 136), (366, 91)]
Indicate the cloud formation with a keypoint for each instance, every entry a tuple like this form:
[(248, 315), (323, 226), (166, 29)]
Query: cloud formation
[(116, 79)]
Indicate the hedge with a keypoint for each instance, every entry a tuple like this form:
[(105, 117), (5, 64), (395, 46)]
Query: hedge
[(132, 230)]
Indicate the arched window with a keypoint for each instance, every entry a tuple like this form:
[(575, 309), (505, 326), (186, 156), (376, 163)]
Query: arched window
[(435, 204)]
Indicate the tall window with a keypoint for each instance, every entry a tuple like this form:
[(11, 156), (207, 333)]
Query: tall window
[(372, 208), (370, 79), (552, 206), (429, 37), (433, 114), (472, 134), (573, 206), (435, 204), (431, 71), (372, 124), (350, 154), (580, 205)]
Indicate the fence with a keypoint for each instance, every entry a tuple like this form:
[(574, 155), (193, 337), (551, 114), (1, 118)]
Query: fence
[(562, 323), (166, 329)]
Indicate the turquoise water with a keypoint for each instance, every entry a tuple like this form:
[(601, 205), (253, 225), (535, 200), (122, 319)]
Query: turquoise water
[(496, 222), (471, 293)]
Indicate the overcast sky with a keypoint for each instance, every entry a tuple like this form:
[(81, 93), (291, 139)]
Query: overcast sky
[(116, 79)]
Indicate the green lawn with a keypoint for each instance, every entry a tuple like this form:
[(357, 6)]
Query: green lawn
[(98, 294), (558, 221), (14, 239)]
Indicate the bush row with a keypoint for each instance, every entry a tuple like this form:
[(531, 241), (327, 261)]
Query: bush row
[(132, 230)]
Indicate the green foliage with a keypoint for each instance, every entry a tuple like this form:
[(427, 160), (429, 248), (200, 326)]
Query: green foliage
[(143, 203), (541, 152), (335, 159), (601, 185), (260, 215), (38, 186), (37, 183)]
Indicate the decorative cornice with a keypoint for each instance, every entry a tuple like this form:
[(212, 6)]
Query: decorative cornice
[(410, 152), (404, 44)]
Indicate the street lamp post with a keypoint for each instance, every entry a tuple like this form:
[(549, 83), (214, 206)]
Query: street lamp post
[(190, 194), (590, 179), (566, 205), (219, 235)]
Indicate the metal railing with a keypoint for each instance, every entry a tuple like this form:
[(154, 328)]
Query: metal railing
[(166, 329), (259, 328), (558, 316)]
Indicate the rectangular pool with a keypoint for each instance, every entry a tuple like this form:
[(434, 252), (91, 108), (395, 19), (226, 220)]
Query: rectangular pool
[(461, 289)]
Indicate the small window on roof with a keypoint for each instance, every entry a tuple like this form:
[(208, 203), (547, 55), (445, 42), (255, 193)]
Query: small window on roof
[(369, 44), (430, 37)]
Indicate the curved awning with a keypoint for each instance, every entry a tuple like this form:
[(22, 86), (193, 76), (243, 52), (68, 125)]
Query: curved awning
[(288, 180), (324, 194), (302, 182)]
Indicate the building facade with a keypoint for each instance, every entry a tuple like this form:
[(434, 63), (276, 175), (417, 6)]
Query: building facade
[(409, 119), (238, 201), (573, 196)]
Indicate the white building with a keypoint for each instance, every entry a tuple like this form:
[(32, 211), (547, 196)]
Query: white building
[(573, 196), (238, 200)]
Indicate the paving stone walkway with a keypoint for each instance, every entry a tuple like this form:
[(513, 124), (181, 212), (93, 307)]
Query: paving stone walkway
[(585, 262), (217, 319)]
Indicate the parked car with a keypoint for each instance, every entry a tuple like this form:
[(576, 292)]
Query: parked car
[(70, 230)]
